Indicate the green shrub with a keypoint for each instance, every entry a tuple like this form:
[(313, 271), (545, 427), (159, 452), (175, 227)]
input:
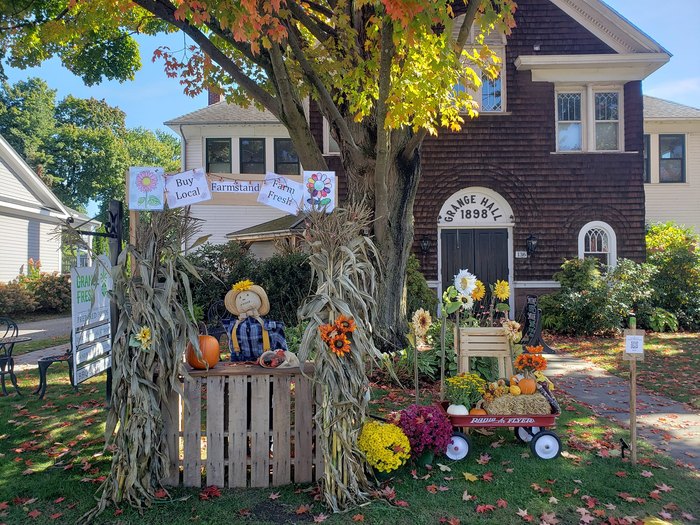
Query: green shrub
[(15, 299), (52, 292), (675, 252), (661, 319), (418, 294), (591, 302)]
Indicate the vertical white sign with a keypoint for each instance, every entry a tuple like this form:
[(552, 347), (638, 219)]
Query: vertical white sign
[(320, 190), (189, 187), (146, 187)]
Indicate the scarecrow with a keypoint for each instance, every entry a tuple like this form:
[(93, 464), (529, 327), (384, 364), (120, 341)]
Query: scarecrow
[(251, 335)]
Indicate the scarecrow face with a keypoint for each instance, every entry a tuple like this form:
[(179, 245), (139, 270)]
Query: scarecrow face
[(247, 301)]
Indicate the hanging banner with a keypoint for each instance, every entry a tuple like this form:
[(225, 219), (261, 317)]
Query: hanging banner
[(91, 328), (236, 186), (189, 187), (320, 190), (281, 193), (146, 186)]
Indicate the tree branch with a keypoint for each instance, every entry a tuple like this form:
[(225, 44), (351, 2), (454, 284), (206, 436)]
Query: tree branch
[(31, 23), (319, 29), (465, 29), (165, 10)]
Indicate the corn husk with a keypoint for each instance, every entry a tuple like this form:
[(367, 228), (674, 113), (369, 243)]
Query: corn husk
[(522, 404)]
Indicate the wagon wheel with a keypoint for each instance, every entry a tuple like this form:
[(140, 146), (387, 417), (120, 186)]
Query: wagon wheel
[(525, 434), (458, 447), (545, 445)]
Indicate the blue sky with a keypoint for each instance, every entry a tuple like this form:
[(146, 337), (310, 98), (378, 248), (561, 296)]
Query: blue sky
[(152, 98)]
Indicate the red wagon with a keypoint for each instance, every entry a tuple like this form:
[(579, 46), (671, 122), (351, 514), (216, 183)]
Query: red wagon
[(531, 429)]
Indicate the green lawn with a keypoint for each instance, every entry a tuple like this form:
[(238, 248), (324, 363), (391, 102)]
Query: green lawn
[(51, 464), (31, 346), (670, 367)]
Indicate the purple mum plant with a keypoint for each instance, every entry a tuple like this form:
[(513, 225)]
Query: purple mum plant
[(426, 427)]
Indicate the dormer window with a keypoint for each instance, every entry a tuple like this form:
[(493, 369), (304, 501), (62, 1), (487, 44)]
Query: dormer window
[(589, 119)]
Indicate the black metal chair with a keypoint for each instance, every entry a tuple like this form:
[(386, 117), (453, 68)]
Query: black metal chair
[(218, 319), (8, 337)]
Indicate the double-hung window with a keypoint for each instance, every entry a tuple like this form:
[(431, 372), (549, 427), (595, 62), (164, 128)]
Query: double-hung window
[(671, 158), (218, 155), (588, 119), (252, 155), (286, 159)]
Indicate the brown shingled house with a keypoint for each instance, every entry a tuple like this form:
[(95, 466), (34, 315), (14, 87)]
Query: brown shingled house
[(553, 166)]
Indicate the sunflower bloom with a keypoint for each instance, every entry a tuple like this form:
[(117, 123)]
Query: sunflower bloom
[(502, 290), (421, 322), (465, 282), (144, 337), (242, 286), (479, 291), (340, 345), (345, 324), (327, 332)]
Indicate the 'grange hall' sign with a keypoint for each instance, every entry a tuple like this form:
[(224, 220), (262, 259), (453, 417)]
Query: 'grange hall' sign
[(475, 207)]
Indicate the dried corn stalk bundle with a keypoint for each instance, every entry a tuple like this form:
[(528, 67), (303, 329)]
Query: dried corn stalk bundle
[(341, 257), (151, 286)]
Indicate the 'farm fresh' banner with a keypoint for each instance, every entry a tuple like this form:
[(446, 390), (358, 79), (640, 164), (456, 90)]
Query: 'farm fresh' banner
[(281, 193)]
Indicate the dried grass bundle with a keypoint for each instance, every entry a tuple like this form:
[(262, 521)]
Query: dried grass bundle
[(152, 288), (342, 259), (522, 404)]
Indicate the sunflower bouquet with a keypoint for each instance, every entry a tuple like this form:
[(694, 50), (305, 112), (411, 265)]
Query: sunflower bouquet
[(338, 335), (384, 445), (468, 293), (531, 360)]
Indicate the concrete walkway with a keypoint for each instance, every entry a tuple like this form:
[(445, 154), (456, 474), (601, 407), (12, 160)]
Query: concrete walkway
[(47, 328), (669, 426)]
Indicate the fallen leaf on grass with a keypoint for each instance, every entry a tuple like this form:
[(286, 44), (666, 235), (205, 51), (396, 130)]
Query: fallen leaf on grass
[(467, 497), (274, 495), (646, 474), (59, 500), (501, 503), (358, 517), (56, 515), (664, 488), (483, 459), (487, 476), (481, 509), (553, 500), (34, 514), (303, 509), (621, 474), (444, 468), (469, 476), (161, 493), (401, 503), (548, 518), (432, 489), (524, 515), (655, 494), (320, 518), (687, 517)]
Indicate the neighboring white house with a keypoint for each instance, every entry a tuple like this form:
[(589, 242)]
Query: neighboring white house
[(29, 215), (672, 162), (237, 147)]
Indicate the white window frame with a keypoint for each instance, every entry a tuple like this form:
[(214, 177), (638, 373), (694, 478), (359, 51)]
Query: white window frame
[(500, 51), (612, 240), (588, 128), (327, 139)]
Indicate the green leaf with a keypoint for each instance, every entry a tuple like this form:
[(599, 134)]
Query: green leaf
[(142, 201), (503, 307), (153, 201)]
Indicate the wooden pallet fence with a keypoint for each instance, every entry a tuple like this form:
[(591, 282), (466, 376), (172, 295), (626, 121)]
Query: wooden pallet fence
[(243, 426), (484, 342)]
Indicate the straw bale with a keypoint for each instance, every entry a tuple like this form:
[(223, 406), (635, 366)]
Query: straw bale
[(522, 404)]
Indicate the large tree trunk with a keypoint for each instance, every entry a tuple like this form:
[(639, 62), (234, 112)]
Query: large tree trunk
[(393, 229)]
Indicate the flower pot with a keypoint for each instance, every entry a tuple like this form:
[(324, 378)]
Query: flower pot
[(457, 410), (426, 458)]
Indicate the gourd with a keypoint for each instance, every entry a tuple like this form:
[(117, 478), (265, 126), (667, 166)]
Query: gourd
[(209, 347), (514, 390), (478, 410), (527, 386)]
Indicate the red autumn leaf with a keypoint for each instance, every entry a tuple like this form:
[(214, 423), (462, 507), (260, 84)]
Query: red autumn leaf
[(34, 514), (389, 493), (119, 512), (664, 488), (4, 505), (655, 494), (432, 489), (487, 476), (501, 503), (244, 512), (320, 518), (453, 521), (401, 503), (303, 509), (59, 500), (483, 459), (161, 493), (621, 473), (688, 517), (56, 515), (524, 515), (274, 495), (666, 515), (481, 509), (646, 474), (358, 517), (442, 488)]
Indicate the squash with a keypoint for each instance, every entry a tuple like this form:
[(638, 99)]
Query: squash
[(514, 390), (527, 386), (513, 380), (477, 412), (209, 347)]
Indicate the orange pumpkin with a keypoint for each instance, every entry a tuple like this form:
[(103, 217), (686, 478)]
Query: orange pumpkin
[(477, 412), (527, 386), (209, 347)]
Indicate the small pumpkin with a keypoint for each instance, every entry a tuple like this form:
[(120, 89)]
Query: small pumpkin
[(513, 380), (209, 347), (478, 410), (527, 386)]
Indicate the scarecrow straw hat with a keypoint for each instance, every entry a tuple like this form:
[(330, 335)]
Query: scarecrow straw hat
[(246, 286)]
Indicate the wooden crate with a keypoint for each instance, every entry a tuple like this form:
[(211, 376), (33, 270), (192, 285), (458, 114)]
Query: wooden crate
[(484, 342), (257, 431)]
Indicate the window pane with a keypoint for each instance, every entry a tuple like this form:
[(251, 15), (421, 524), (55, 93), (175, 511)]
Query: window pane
[(671, 158), (606, 136), (218, 155), (491, 94), (252, 155), (569, 137), (333, 146), (286, 159), (647, 171), (606, 105), (569, 106)]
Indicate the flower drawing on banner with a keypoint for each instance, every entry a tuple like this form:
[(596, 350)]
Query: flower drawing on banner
[(319, 187), (146, 182)]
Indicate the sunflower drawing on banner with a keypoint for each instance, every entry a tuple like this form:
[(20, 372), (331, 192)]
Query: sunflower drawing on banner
[(320, 190), (146, 186)]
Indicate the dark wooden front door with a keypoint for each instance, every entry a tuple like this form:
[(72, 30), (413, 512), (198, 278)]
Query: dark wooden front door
[(484, 252)]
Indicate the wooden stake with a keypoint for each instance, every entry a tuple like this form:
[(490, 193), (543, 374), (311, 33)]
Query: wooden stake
[(415, 370), (633, 410)]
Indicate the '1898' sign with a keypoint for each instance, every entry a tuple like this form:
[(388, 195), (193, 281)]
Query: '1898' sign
[(472, 208)]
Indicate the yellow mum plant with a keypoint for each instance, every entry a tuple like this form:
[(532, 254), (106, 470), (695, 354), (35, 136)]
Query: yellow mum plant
[(384, 445)]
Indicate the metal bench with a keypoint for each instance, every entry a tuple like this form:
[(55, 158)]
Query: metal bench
[(44, 364)]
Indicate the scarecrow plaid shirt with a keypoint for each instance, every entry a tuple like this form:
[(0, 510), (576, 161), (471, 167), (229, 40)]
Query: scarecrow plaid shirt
[(250, 338)]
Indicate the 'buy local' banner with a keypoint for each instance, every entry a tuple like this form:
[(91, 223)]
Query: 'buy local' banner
[(316, 193), (189, 187)]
